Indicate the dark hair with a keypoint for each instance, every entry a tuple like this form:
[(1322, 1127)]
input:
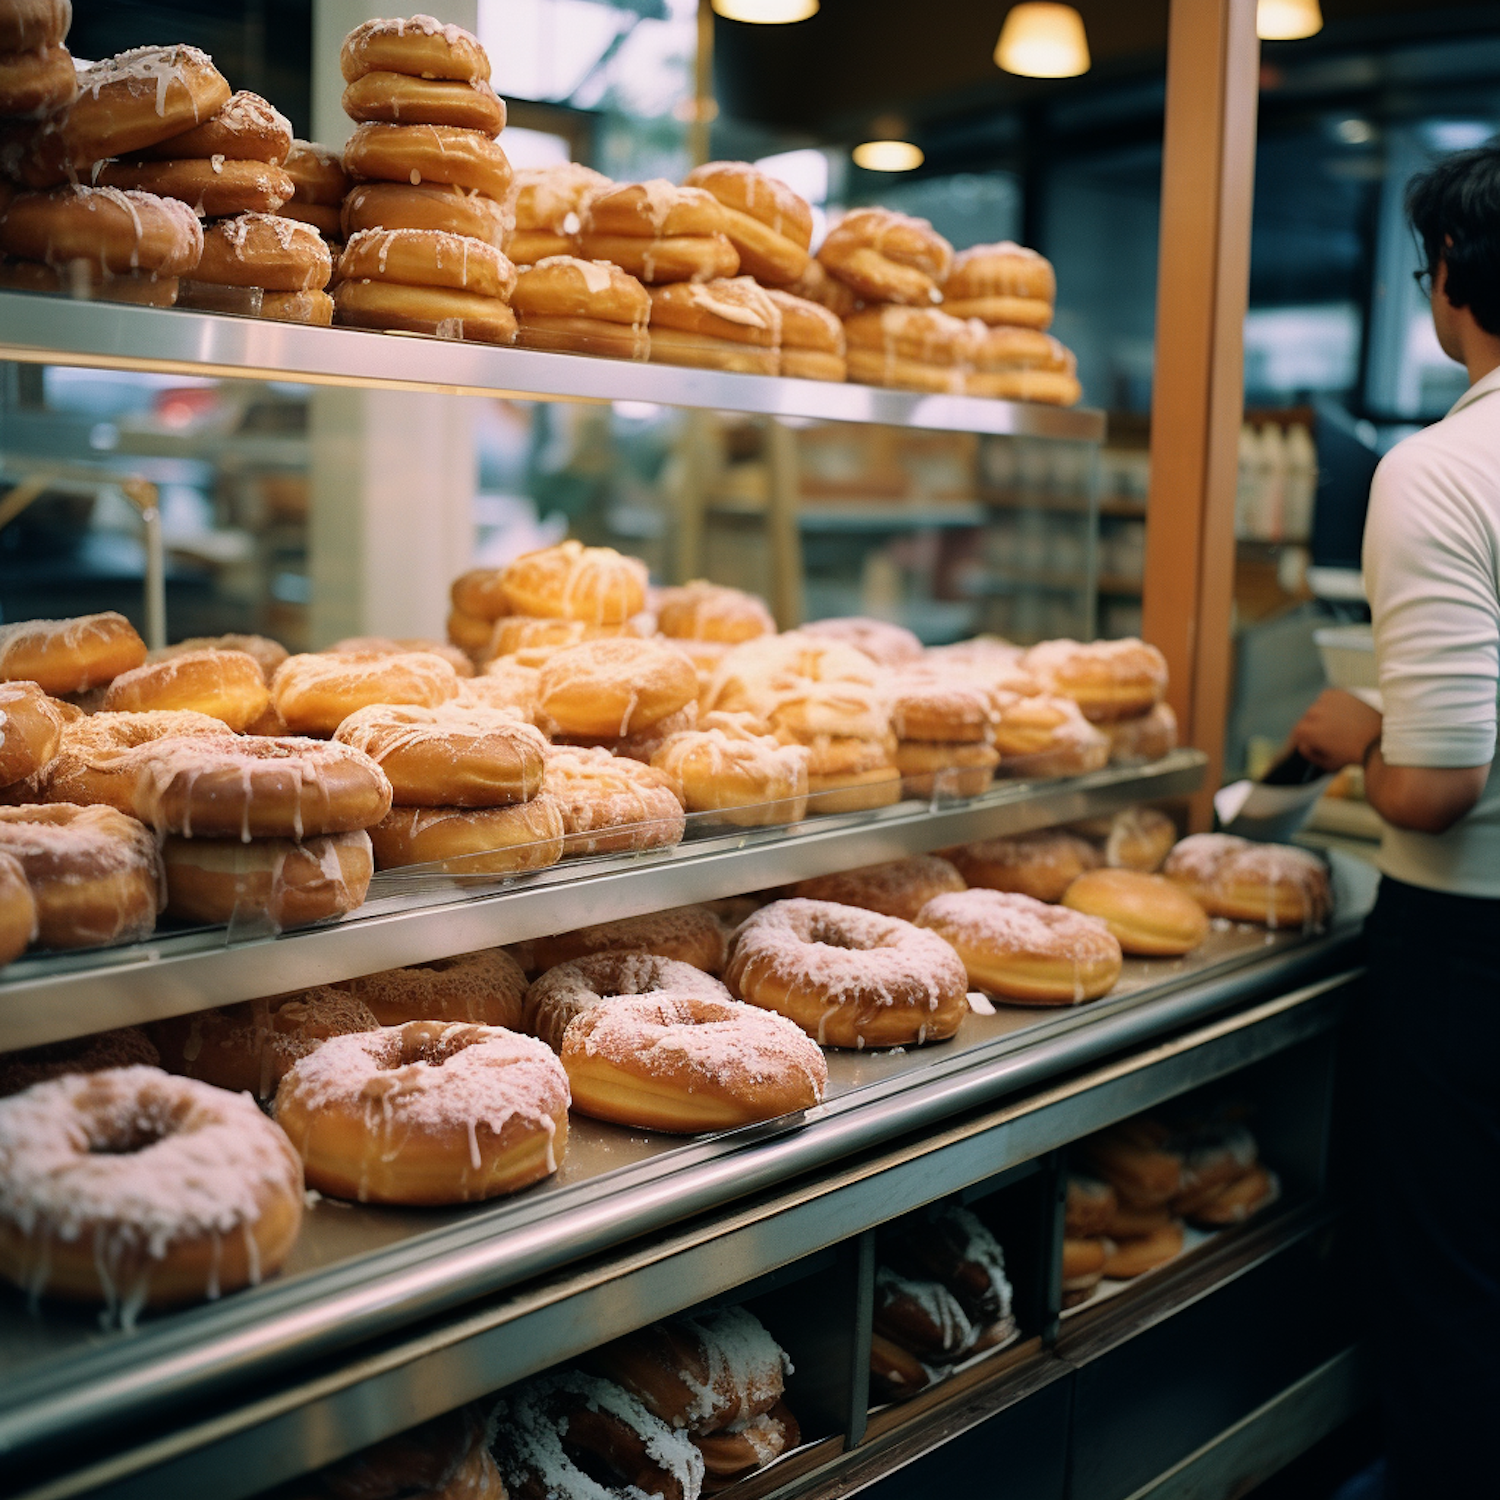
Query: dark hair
[(1457, 199)]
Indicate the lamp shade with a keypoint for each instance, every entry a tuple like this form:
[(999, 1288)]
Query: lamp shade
[(887, 156), (766, 12), (1287, 20), (1043, 40)]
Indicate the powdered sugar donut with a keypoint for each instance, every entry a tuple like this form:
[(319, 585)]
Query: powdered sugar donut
[(689, 934), (70, 656), (923, 1316), (486, 988), (703, 611), (1023, 950), (613, 687), (899, 888), (268, 654), (802, 685), (385, 645), (429, 1112), (887, 645), (750, 779), (849, 978), (940, 707), (1108, 680), (611, 803), (227, 685), (87, 766), (1274, 884), (743, 1446), (447, 1458), (472, 840), (315, 693), (1042, 864), (1043, 735), (136, 1189)]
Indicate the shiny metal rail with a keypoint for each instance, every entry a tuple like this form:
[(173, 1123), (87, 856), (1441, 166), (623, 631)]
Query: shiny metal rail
[(39, 329), (57, 996), (432, 1332)]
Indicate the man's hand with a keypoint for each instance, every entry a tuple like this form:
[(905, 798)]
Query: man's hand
[(1337, 730)]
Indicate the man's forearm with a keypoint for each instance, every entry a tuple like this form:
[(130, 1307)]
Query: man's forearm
[(1422, 799)]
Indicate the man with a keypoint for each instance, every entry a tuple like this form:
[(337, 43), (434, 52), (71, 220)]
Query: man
[(1430, 1075)]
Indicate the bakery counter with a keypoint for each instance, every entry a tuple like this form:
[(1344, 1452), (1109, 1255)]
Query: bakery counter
[(385, 1317), (418, 914)]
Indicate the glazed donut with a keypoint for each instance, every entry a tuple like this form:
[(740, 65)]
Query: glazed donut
[(651, 211), (684, 1063), (896, 1374), (574, 582), (127, 1047), (1273, 884), (1134, 1257), (1003, 284), (1140, 1161), (924, 1317), (426, 1113), (546, 1425), (439, 312), (1082, 1268), (849, 978), (402, 99), (853, 791), (328, 222), (1006, 383), (1238, 1200), (255, 249), (110, 230), (750, 779), (316, 692), (26, 25), (472, 841), (211, 188), (84, 770), (812, 338), (248, 128), (18, 914), (289, 883), (584, 306), (953, 1245), (250, 1048), (1108, 680), (225, 685), (613, 687), (386, 645), (126, 103), (866, 366), (816, 285), (1090, 1206), (94, 873), (884, 256), (31, 726), (930, 769), (36, 83), (899, 888), (478, 594), (611, 804), (671, 258), (447, 1458), (702, 1372), (449, 756), (804, 686), (425, 205), (504, 684), (143, 289), (427, 258), (909, 347), (1148, 737), (537, 639), (887, 645), (769, 226), (744, 1446), (570, 989), (1149, 914), (1021, 364), (484, 988), (1042, 864), (428, 153), (1023, 950), (1042, 736), (692, 935), (418, 46), (314, 309), (136, 1189), (268, 654), (317, 174), (727, 323), (703, 611)]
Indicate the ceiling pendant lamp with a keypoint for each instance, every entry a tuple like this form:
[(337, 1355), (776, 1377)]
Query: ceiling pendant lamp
[(766, 12), (888, 156), (1043, 40), (1287, 20)]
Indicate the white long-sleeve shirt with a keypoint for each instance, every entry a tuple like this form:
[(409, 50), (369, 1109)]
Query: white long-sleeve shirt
[(1432, 569)]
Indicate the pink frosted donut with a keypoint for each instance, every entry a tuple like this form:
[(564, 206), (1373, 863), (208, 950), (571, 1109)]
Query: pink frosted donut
[(848, 977), (885, 644)]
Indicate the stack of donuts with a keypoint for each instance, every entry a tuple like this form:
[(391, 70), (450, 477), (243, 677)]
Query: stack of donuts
[(425, 226), (319, 187), (941, 1296)]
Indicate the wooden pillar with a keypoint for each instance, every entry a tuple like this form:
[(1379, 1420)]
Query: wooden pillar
[(1203, 277)]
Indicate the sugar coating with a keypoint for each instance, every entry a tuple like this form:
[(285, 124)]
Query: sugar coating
[(487, 987), (948, 1329), (1009, 923), (898, 888), (887, 645)]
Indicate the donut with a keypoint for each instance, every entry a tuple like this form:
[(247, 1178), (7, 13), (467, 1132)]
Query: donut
[(315, 693), (651, 211), (439, 312), (899, 888), (547, 202), (36, 83), (954, 1246), (136, 1189), (268, 654), (286, 882), (744, 1446), (923, 1317), (447, 1458), (317, 173), (31, 726), (611, 804), (723, 323), (1217, 1152), (999, 380), (536, 639), (1139, 1160), (849, 978), (767, 223), (1042, 864), (816, 285), (402, 99), (210, 187), (485, 988), (472, 841), (804, 686), (1238, 1200), (581, 306), (70, 656), (1089, 1207), (1147, 737), (226, 685), (18, 913), (1127, 1222), (425, 205), (940, 708), (987, 656), (143, 289), (911, 348), (327, 221), (1273, 884), (613, 687), (126, 103), (385, 645), (887, 645), (426, 1113), (1134, 1257), (884, 256), (685, 1063), (427, 258), (896, 1374), (812, 338), (418, 46), (505, 684), (250, 1048), (930, 769), (1139, 838), (749, 779), (247, 128), (449, 756), (558, 1433), (123, 1048), (700, 1372), (853, 791), (109, 230), (1002, 284), (1108, 680), (693, 935), (86, 769), (1025, 951), (313, 309), (94, 873), (438, 154), (703, 611), (1150, 915), (478, 594), (261, 249), (26, 25), (573, 582), (1082, 1268), (1041, 736), (998, 351), (679, 257)]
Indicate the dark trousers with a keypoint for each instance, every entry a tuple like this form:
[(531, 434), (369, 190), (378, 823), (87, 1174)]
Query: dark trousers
[(1429, 1087)]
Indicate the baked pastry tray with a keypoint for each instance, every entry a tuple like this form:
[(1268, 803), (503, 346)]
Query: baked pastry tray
[(358, 1273)]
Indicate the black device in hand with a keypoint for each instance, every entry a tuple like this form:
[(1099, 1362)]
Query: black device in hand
[(1293, 769)]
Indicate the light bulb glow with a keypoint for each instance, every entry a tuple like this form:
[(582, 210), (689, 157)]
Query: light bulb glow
[(888, 156), (766, 12), (1287, 20), (1043, 40)]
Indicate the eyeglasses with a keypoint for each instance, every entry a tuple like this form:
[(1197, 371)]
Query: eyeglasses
[(1423, 280)]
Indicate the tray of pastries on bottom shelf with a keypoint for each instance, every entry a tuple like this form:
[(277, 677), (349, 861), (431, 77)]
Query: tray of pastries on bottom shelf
[(153, 1167), (576, 714)]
